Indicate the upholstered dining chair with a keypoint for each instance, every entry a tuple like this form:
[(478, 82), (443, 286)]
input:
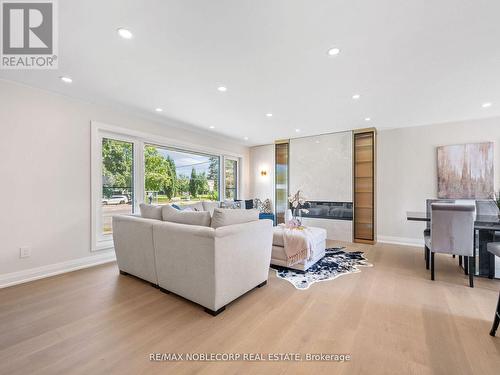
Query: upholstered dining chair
[(452, 232), (427, 230), (494, 248), (488, 207)]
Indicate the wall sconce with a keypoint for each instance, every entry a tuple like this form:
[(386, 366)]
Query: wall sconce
[(263, 173)]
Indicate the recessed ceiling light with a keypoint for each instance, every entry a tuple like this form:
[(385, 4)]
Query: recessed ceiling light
[(158, 110), (222, 88), (212, 127), (317, 141), (356, 96), (269, 115), (66, 79), (486, 105), (245, 138), (367, 119), (297, 130), (124, 33), (333, 51)]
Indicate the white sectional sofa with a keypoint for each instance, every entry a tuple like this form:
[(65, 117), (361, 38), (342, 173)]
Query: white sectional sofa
[(210, 265)]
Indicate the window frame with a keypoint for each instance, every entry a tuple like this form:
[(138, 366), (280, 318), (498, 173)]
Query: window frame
[(140, 139), (238, 174)]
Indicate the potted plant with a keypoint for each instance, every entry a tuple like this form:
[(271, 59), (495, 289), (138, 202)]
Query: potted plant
[(496, 198)]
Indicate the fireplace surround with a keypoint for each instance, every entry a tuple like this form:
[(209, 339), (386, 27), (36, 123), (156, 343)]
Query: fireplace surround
[(328, 210)]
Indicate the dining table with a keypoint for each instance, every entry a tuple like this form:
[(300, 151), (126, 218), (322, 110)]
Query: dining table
[(486, 227)]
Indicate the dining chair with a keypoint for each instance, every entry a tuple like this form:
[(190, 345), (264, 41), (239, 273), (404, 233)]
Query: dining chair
[(427, 230), (452, 232), (494, 248), (488, 207)]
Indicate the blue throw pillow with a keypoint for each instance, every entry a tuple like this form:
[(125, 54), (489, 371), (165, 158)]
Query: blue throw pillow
[(176, 207)]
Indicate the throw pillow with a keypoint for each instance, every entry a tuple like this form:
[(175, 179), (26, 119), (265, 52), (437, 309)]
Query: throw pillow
[(267, 208), (257, 203), (150, 211), (210, 206), (185, 217), (231, 204), (198, 206), (223, 217), (249, 204)]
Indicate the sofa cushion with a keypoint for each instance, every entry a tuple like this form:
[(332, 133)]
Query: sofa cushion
[(150, 211), (223, 217), (185, 217), (210, 206)]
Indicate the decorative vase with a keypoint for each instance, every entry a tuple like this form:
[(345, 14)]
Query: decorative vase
[(288, 216), (298, 215)]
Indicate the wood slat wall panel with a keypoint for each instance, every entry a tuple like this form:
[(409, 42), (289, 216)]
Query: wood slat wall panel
[(364, 185)]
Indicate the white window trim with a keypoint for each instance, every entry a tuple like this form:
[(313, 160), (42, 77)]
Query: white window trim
[(238, 174), (139, 139)]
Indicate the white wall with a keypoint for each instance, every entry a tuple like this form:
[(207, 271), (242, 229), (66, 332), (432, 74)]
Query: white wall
[(45, 172), (321, 167), (261, 158), (407, 171)]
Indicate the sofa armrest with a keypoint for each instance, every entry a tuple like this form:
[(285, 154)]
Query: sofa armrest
[(242, 258), (133, 243)]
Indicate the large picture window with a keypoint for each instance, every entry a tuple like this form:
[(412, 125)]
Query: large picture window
[(131, 167), (172, 175)]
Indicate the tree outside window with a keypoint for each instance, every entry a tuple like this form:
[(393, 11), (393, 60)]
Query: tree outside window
[(174, 175)]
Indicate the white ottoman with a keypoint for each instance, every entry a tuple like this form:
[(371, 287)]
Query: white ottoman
[(278, 255)]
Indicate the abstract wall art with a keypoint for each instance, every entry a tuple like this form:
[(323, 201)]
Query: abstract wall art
[(465, 171)]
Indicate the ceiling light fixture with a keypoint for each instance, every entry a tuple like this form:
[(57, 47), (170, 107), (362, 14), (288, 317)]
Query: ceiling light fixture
[(124, 33), (486, 105), (158, 110), (269, 115), (212, 127), (367, 119), (222, 88), (333, 51), (297, 130), (66, 79), (245, 138), (356, 96)]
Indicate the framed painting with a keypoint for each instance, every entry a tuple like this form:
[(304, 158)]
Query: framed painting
[(466, 171)]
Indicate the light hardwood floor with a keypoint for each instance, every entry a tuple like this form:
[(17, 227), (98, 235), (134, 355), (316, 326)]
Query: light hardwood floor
[(391, 318)]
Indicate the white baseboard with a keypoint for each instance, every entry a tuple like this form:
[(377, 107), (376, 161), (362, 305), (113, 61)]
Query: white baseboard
[(31, 274), (401, 241)]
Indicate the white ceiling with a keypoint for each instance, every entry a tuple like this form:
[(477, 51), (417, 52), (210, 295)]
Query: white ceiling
[(413, 62)]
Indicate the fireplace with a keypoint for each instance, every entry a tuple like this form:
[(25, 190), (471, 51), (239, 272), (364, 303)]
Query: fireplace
[(328, 210)]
